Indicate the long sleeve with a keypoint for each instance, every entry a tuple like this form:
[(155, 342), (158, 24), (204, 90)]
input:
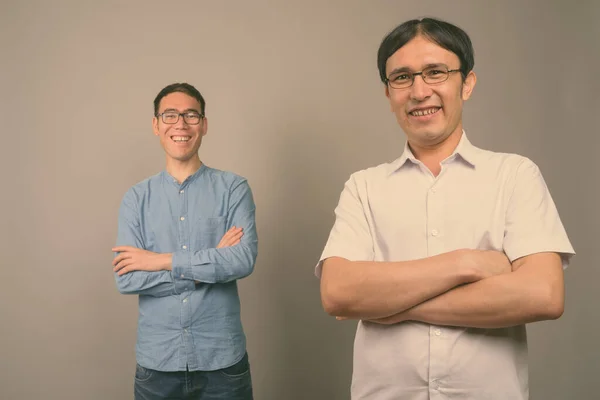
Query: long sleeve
[(225, 264), (156, 283)]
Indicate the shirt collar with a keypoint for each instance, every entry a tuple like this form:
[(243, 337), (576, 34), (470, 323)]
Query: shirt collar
[(464, 150), (170, 179)]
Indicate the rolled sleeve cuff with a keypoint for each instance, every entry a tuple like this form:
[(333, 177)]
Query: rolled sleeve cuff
[(184, 286), (205, 270), (182, 266)]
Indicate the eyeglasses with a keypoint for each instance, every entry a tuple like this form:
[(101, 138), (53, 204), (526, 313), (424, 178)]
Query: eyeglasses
[(431, 75), (172, 117)]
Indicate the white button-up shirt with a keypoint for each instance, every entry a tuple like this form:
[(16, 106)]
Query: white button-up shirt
[(399, 212)]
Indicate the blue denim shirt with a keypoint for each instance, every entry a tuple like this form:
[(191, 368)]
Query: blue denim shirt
[(190, 316)]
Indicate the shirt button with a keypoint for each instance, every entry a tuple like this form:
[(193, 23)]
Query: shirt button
[(181, 191), (185, 330), (182, 275), (185, 300), (433, 190), (184, 247), (434, 385), (437, 332), (182, 218), (434, 232)]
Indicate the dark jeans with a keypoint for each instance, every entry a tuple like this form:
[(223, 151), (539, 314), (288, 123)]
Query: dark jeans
[(231, 383)]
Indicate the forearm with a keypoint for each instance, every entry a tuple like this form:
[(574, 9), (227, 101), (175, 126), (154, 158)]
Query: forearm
[(500, 301), (368, 290), (219, 265)]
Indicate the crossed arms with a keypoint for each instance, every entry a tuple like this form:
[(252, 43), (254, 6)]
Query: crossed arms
[(139, 271), (469, 288)]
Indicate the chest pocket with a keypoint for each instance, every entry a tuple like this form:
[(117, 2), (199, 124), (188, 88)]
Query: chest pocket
[(207, 232)]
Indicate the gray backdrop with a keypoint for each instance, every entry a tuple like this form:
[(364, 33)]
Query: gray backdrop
[(295, 105)]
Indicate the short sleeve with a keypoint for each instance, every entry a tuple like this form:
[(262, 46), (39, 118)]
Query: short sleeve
[(350, 236), (532, 221)]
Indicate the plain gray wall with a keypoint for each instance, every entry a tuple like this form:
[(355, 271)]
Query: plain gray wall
[(295, 105)]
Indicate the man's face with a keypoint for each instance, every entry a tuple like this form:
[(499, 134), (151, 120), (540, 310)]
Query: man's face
[(428, 113), (181, 140)]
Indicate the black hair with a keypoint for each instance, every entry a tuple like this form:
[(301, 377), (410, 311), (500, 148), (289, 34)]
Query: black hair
[(183, 88), (446, 35)]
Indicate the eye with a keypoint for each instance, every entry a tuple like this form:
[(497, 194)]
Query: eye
[(192, 115), (402, 77), (435, 73), (170, 116)]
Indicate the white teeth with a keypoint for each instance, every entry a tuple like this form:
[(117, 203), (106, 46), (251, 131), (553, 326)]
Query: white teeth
[(180, 138), (420, 113)]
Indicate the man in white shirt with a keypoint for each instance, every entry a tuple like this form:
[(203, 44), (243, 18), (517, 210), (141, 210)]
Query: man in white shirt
[(446, 253)]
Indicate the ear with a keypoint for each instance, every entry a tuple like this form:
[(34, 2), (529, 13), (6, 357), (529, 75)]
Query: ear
[(204, 126), (387, 94), (155, 125), (468, 85)]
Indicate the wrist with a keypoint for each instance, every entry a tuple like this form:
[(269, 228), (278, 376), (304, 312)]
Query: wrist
[(467, 271), (166, 261)]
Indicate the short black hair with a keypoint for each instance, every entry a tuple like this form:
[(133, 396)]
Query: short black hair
[(182, 88), (446, 35)]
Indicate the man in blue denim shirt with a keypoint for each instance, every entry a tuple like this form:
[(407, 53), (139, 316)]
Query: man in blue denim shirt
[(185, 237)]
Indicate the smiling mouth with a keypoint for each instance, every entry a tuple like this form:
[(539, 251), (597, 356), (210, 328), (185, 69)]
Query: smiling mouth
[(181, 139), (424, 111)]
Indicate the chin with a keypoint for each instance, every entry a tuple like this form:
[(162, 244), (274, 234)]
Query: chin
[(425, 135), (181, 158)]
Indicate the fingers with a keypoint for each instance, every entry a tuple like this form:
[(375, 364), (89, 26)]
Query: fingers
[(234, 238), (118, 249), (232, 233), (130, 265), (231, 237), (121, 257), (124, 257), (126, 270), (225, 236), (123, 263), (228, 244)]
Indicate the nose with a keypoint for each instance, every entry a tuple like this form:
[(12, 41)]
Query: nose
[(419, 90), (181, 124)]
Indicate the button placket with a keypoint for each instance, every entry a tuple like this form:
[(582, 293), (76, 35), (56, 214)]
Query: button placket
[(183, 228), (435, 218), (435, 245)]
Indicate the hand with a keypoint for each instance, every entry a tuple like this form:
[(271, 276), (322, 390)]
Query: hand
[(486, 263), (231, 237), (134, 259)]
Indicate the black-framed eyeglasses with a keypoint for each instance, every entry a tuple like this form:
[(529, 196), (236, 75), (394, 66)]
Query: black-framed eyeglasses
[(172, 117), (431, 75)]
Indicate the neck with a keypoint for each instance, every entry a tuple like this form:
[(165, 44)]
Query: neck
[(180, 170), (432, 155)]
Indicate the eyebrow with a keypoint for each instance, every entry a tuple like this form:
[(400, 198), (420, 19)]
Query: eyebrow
[(406, 69), (184, 111)]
